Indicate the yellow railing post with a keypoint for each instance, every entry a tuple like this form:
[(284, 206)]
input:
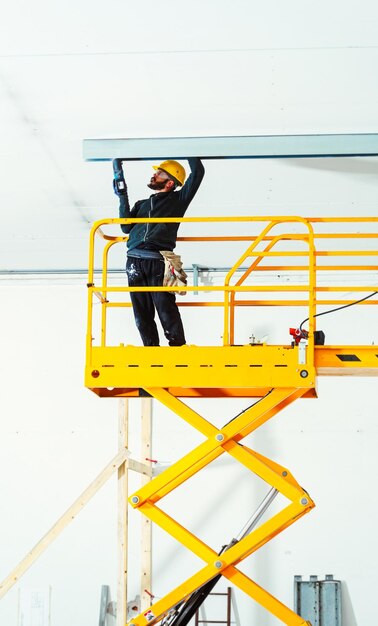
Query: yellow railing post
[(235, 267), (104, 292), (310, 356)]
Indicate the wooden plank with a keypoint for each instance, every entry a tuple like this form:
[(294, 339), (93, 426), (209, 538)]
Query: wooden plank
[(123, 488), (146, 557), (62, 522), (141, 468)]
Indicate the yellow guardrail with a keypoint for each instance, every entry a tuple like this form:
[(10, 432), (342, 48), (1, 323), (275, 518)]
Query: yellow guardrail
[(326, 244)]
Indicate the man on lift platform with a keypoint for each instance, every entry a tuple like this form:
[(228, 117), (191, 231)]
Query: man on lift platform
[(145, 264)]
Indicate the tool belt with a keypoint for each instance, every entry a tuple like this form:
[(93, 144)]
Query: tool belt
[(174, 275)]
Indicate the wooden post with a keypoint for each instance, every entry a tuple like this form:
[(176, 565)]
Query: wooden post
[(146, 560), (123, 441)]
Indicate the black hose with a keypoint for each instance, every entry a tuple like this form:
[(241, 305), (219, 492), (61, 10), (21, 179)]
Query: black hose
[(339, 308)]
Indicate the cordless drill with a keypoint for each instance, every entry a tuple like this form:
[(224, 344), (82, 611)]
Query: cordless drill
[(119, 183)]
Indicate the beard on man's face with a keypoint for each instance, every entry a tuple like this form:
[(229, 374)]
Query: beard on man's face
[(155, 185)]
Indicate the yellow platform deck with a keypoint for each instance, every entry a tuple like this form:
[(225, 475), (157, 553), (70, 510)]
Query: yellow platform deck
[(221, 371)]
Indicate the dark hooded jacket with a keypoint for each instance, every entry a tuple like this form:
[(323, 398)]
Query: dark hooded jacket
[(160, 236)]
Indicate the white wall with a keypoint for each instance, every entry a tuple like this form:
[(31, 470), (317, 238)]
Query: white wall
[(56, 436)]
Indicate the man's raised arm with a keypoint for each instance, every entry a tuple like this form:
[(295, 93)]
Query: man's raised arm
[(120, 189), (194, 180)]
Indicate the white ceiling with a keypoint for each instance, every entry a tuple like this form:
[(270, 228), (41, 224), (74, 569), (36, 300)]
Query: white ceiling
[(82, 69)]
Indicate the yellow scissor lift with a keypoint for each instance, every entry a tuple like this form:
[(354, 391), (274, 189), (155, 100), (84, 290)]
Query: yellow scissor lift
[(274, 375)]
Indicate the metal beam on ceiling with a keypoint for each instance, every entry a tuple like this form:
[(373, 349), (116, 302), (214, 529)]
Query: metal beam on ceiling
[(242, 147)]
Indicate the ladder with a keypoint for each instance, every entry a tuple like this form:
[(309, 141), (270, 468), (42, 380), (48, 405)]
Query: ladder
[(228, 618)]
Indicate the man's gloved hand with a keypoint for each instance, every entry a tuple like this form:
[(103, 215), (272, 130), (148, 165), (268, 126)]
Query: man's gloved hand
[(119, 184)]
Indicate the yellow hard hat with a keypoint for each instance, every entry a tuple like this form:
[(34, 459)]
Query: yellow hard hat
[(173, 168)]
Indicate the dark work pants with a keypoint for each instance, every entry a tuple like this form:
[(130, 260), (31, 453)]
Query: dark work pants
[(149, 273)]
